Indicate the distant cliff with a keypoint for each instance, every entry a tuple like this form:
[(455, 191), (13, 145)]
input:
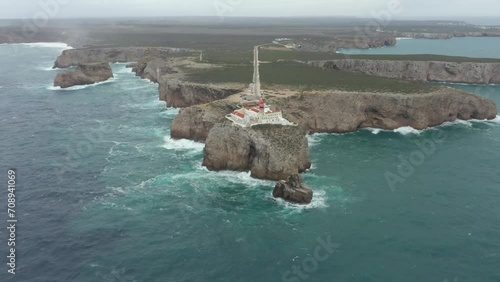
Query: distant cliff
[(466, 72), (73, 57), (424, 35), (84, 74), (271, 152)]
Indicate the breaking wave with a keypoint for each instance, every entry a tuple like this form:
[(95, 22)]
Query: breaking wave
[(48, 45), (319, 201), (80, 87), (182, 144)]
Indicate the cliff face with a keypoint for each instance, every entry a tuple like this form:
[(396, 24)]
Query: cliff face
[(74, 57), (181, 94), (152, 69), (84, 74), (271, 152), (470, 73), (361, 42), (419, 35), (342, 112), (194, 123)]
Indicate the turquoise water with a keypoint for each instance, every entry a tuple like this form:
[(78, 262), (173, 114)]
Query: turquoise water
[(474, 47), (105, 195)]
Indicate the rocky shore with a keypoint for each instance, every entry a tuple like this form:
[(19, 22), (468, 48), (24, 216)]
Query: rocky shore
[(451, 72), (84, 74)]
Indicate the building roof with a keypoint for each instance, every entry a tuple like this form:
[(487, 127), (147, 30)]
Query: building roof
[(253, 110), (239, 114)]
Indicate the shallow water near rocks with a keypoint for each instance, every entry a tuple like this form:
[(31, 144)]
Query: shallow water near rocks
[(105, 195)]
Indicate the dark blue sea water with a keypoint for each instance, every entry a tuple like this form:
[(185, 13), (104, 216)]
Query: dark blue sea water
[(474, 47), (105, 195)]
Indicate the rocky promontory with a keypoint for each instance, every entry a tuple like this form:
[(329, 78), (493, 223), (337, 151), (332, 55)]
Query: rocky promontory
[(268, 151), (73, 57), (84, 74), (293, 190), (452, 72), (343, 112)]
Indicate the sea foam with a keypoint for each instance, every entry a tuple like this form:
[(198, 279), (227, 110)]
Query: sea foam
[(182, 144), (319, 201), (48, 45), (80, 87)]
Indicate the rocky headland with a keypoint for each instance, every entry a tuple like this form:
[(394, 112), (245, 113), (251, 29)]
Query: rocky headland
[(73, 57), (275, 152), (271, 152), (159, 65), (435, 71), (343, 112), (84, 74)]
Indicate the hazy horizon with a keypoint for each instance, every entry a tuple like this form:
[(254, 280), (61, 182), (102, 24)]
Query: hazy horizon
[(405, 10)]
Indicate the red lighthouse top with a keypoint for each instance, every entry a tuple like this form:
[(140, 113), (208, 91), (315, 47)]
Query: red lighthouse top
[(262, 105)]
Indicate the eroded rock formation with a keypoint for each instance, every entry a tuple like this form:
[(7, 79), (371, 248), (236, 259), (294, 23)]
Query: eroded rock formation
[(293, 190), (271, 152), (84, 74)]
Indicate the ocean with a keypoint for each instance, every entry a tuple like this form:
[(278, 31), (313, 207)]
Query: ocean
[(104, 194)]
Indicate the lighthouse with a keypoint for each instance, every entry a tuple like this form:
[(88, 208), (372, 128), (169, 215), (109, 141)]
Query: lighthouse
[(262, 110)]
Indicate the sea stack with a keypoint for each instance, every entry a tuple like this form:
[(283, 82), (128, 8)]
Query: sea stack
[(268, 151), (84, 74), (293, 190)]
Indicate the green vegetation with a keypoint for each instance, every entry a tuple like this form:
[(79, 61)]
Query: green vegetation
[(308, 78), (276, 55)]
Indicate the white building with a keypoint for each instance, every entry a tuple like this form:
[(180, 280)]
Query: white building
[(252, 116)]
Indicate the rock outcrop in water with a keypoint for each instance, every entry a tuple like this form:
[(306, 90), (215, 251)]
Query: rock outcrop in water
[(293, 190), (84, 74), (452, 72), (271, 152)]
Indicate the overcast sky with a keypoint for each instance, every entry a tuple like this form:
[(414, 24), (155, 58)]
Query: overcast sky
[(154, 8)]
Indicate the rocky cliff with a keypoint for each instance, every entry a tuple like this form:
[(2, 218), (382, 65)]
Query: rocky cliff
[(74, 57), (84, 74), (466, 72), (271, 152), (342, 112), (183, 94), (424, 35), (194, 123), (334, 44)]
